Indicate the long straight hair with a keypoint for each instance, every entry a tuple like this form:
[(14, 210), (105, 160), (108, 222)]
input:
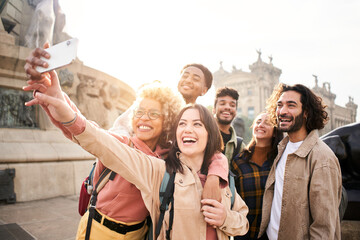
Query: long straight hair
[(276, 138), (214, 140)]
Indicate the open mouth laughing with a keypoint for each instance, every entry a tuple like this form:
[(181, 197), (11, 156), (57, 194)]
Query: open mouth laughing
[(189, 140)]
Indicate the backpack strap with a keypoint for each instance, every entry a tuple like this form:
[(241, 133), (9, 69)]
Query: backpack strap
[(239, 141), (103, 179), (166, 197), (105, 176), (232, 187)]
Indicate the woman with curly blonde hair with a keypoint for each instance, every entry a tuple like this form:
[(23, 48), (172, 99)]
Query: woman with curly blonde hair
[(120, 202)]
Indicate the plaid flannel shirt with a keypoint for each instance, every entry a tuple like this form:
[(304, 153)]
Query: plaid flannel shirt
[(250, 184)]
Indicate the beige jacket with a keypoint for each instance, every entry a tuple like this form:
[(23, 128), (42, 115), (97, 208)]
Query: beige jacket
[(147, 172), (311, 193)]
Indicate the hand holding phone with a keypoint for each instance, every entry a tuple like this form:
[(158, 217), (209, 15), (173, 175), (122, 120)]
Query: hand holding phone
[(61, 55)]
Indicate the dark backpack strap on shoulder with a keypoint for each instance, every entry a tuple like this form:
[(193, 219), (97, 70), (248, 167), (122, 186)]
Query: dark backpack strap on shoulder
[(93, 201), (164, 202), (239, 141), (232, 187), (171, 218)]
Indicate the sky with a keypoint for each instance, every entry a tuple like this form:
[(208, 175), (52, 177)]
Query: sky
[(140, 41)]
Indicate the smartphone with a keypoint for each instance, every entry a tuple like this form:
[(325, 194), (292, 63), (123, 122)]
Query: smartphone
[(61, 55)]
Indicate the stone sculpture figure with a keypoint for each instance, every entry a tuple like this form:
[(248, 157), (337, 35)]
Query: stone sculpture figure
[(92, 99), (47, 24), (259, 53)]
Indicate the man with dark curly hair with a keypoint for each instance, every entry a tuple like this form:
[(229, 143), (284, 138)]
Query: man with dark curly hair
[(303, 190)]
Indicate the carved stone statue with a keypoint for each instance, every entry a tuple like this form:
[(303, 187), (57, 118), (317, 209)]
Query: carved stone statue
[(47, 24), (92, 99), (316, 80), (259, 53), (270, 58)]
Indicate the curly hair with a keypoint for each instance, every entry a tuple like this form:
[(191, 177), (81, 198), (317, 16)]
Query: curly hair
[(226, 91), (171, 104), (312, 105)]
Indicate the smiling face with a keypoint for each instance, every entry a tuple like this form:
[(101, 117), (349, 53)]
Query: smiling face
[(146, 129), (263, 130), (225, 110), (191, 134), (290, 116), (192, 84)]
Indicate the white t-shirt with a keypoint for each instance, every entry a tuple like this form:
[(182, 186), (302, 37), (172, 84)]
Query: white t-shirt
[(275, 214)]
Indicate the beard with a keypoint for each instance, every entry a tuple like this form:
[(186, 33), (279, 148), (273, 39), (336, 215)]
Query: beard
[(298, 122), (224, 121)]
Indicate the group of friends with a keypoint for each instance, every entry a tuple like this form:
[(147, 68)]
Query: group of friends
[(288, 182)]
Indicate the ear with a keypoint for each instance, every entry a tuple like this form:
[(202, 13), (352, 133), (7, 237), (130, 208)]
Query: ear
[(204, 90), (305, 114)]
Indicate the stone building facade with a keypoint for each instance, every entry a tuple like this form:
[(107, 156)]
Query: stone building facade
[(338, 115), (46, 163), (256, 86)]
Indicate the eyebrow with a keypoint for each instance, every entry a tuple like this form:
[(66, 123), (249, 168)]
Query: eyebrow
[(195, 75), (290, 101), (231, 101), (194, 120)]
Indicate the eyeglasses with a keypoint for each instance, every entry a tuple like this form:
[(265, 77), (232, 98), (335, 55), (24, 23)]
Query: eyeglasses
[(152, 114)]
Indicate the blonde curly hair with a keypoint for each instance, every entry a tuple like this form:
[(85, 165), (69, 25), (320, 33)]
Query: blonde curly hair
[(171, 104)]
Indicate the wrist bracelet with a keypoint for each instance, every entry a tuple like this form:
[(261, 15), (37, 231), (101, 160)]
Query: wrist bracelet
[(71, 121)]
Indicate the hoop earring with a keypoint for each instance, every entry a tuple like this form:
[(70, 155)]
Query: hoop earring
[(178, 154)]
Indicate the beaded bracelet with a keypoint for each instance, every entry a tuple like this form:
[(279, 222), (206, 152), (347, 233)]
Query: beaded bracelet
[(71, 121)]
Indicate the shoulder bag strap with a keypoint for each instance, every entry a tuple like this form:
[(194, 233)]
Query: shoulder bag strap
[(238, 147), (165, 202), (104, 177), (232, 188)]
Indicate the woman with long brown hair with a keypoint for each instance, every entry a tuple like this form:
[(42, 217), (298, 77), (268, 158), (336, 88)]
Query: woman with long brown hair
[(252, 168)]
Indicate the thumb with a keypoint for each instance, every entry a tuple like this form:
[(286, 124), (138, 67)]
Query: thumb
[(46, 45), (54, 78)]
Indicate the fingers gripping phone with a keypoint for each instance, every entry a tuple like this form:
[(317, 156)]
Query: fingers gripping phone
[(61, 55)]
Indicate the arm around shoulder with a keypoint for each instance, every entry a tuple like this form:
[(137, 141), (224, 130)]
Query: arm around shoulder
[(236, 223)]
